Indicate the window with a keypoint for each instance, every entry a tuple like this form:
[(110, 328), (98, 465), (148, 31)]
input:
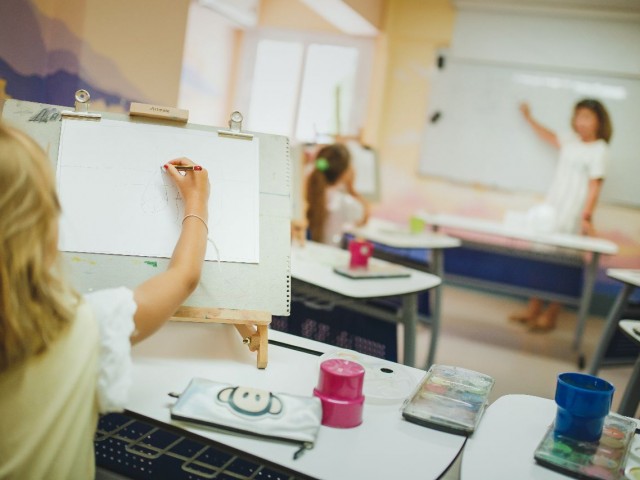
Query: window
[(304, 86), (328, 83), (274, 80), (207, 66)]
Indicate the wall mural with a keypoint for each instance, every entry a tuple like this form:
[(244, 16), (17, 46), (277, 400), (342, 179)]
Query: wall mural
[(43, 60)]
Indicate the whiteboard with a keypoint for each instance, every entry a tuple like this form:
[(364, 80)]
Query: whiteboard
[(475, 133)]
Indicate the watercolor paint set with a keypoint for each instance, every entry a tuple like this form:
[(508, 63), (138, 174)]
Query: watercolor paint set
[(450, 399), (600, 460)]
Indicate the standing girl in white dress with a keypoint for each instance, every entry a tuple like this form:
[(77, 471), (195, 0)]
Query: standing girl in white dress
[(576, 185)]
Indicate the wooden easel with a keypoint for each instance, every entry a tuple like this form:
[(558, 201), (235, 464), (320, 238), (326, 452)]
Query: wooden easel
[(248, 310), (253, 326)]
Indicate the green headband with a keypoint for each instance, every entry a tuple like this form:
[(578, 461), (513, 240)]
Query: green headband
[(322, 164)]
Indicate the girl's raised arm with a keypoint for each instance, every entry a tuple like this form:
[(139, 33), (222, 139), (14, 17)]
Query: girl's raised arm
[(544, 133), (159, 297)]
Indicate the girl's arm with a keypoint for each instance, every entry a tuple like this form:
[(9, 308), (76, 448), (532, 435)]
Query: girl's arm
[(159, 297), (593, 192), (349, 183), (544, 133), (366, 208)]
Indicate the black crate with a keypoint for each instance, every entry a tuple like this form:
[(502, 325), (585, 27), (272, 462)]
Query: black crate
[(141, 451)]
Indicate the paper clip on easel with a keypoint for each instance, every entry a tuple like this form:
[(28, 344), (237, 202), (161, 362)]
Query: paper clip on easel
[(235, 128), (81, 107)]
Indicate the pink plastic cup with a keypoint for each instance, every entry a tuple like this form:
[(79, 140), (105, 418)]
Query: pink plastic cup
[(360, 251), (340, 391)]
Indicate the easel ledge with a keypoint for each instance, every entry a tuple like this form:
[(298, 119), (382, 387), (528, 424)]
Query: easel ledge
[(253, 326)]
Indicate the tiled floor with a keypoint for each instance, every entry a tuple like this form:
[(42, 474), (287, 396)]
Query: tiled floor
[(477, 334)]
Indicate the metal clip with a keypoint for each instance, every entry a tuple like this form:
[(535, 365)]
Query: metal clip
[(81, 107), (235, 127)]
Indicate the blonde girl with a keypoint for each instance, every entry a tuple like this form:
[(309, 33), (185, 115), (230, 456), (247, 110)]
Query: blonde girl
[(332, 201), (65, 357)]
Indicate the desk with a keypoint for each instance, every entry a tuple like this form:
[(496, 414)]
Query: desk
[(312, 272), (384, 446), (631, 396), (631, 281), (578, 243), (503, 445), (393, 235)]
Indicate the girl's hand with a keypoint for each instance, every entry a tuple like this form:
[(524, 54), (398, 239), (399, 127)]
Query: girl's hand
[(193, 186), (298, 231), (587, 227), (526, 110)]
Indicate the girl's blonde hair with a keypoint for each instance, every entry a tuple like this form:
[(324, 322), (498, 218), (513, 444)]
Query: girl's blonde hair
[(331, 163), (36, 304)]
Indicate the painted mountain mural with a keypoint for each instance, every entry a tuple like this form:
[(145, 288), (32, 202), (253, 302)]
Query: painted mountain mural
[(41, 60)]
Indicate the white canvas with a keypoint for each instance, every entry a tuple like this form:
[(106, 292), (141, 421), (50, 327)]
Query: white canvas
[(116, 199)]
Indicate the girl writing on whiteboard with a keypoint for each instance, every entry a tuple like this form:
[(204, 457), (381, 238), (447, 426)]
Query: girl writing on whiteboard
[(332, 201), (65, 357), (576, 185)]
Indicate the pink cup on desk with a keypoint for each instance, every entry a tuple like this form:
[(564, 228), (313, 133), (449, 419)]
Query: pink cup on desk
[(340, 391), (360, 251)]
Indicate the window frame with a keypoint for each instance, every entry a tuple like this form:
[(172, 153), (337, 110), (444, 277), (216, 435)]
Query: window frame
[(364, 70)]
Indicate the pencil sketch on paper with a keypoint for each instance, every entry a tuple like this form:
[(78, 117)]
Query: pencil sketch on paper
[(117, 200)]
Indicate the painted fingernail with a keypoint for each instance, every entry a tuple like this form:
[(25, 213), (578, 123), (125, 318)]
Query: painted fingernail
[(165, 166), (197, 167)]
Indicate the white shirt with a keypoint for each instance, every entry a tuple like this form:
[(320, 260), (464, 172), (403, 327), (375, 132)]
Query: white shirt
[(343, 210), (579, 162), (113, 310)]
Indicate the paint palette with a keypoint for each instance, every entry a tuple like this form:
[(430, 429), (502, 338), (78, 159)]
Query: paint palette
[(601, 460), (450, 399)]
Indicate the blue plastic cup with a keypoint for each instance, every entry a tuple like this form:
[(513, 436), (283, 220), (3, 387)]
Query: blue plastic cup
[(583, 403)]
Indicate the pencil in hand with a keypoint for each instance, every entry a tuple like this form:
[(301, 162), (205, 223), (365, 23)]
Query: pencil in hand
[(188, 168)]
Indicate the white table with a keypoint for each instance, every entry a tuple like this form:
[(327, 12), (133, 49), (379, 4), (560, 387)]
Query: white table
[(312, 266), (502, 447), (630, 280), (584, 244), (384, 446), (396, 236)]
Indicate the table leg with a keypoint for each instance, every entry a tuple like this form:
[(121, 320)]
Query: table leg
[(610, 327), (585, 301), (631, 397), (437, 268), (409, 320)]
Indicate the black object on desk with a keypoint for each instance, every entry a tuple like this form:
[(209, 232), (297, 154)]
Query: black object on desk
[(339, 326), (139, 450)]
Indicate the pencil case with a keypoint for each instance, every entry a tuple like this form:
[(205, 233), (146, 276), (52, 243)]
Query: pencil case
[(450, 399), (251, 411)]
